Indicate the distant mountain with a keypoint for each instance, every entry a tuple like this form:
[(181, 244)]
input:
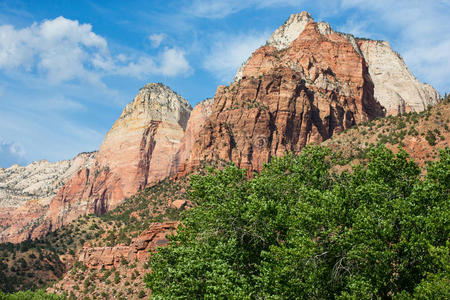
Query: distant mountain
[(25, 192)]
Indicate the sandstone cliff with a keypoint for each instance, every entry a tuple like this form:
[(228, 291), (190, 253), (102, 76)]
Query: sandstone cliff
[(25, 192), (395, 87), (287, 97), (198, 117)]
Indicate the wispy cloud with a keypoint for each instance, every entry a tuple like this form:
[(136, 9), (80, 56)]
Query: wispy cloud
[(213, 9), (228, 52), (156, 39)]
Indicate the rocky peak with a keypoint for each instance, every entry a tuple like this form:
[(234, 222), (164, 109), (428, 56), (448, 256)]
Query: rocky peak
[(290, 30), (316, 87), (138, 151), (395, 88), (157, 102)]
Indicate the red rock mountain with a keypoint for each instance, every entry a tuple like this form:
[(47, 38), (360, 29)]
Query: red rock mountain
[(137, 151), (304, 86)]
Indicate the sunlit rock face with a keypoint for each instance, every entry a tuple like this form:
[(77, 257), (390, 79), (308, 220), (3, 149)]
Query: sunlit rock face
[(397, 90), (395, 87)]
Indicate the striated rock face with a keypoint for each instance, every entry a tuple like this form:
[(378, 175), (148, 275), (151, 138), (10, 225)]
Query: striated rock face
[(287, 98), (198, 117), (25, 192), (38, 180), (137, 151), (395, 87), (139, 249)]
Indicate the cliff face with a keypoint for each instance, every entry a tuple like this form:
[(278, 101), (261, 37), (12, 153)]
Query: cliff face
[(286, 98), (197, 120), (25, 192), (137, 151)]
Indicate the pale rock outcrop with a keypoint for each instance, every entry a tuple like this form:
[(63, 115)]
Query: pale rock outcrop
[(395, 87)]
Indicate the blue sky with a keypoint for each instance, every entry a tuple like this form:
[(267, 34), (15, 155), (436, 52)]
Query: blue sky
[(67, 68)]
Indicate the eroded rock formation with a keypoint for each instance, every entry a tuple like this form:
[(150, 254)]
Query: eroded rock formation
[(139, 248), (394, 86), (137, 151)]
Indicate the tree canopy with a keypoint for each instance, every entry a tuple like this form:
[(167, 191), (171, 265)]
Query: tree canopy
[(301, 229)]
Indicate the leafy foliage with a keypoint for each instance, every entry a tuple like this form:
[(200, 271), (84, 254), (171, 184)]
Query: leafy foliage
[(300, 230)]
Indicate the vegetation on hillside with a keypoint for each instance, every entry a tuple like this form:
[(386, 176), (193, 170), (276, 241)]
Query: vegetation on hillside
[(300, 230), (421, 134), (38, 263)]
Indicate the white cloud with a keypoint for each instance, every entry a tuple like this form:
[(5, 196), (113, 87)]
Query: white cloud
[(229, 52), (221, 8), (156, 39), (11, 153), (65, 50), (172, 62)]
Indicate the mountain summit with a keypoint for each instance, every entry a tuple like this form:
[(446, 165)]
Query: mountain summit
[(394, 85)]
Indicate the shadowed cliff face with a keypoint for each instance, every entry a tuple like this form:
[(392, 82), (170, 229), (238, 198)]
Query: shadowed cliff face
[(287, 98)]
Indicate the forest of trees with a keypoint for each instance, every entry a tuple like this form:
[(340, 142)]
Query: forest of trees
[(307, 228)]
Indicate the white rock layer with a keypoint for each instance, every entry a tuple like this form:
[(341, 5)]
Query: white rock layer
[(395, 87)]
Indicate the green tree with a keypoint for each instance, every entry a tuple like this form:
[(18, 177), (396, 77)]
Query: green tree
[(301, 230)]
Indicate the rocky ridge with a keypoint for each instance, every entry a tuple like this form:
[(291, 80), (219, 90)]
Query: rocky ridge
[(25, 192), (137, 151), (39, 180)]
